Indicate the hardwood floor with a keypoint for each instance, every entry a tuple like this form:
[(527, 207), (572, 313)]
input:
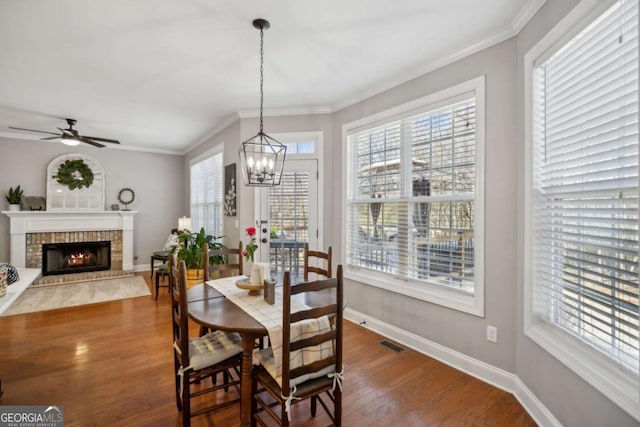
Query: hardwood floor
[(111, 364)]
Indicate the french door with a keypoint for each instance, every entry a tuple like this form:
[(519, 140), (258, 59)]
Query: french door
[(288, 217)]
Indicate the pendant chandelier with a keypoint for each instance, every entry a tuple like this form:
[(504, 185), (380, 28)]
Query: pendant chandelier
[(262, 157)]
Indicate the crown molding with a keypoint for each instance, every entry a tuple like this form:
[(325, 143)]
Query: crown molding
[(526, 13), (213, 132), (32, 138), (426, 68), (292, 111)]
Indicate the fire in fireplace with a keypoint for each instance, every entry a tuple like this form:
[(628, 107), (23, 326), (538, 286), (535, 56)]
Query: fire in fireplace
[(80, 257)]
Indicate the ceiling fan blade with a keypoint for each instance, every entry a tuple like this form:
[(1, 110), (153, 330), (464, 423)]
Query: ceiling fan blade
[(32, 130), (51, 137), (113, 141), (90, 142)]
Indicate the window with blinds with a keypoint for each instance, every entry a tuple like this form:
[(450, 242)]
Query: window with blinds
[(584, 193), (411, 196), (207, 195)]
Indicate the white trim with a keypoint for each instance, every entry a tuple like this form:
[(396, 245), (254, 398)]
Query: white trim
[(22, 223), (142, 267), (405, 77), (472, 304), (291, 137), (212, 133), (530, 402), (596, 369), (526, 13), (286, 111), (216, 149), (476, 368), (16, 135), (585, 362)]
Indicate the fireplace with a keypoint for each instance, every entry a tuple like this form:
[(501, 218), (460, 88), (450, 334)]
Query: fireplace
[(79, 257)]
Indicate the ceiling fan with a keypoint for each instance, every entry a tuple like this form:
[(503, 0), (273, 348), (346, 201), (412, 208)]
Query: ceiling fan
[(70, 136)]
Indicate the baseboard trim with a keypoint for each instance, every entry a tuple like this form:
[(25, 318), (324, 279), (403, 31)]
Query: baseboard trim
[(483, 371), (535, 408), (142, 267)]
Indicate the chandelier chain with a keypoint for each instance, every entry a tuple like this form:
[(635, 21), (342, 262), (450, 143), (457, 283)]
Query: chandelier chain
[(261, 75)]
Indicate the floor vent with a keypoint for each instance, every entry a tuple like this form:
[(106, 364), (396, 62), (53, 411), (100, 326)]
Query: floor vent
[(392, 346)]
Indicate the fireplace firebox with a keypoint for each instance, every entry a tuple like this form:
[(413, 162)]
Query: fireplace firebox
[(80, 257)]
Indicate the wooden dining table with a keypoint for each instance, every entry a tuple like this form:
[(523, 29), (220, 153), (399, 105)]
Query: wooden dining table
[(210, 308)]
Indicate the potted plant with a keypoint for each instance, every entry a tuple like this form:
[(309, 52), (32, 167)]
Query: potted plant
[(13, 197), (189, 249)]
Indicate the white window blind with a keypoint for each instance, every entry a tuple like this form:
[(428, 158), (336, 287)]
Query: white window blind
[(207, 195), (585, 186), (411, 196)]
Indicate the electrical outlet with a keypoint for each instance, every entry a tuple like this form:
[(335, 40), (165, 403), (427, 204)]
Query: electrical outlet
[(492, 334)]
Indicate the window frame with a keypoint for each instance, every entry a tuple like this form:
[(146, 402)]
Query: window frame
[(595, 368), (218, 150), (441, 295)]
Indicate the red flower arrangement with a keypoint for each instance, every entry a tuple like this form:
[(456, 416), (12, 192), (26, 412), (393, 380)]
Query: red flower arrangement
[(251, 246)]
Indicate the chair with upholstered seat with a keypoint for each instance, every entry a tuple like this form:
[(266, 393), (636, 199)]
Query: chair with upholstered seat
[(315, 267), (311, 357), (162, 271), (198, 358)]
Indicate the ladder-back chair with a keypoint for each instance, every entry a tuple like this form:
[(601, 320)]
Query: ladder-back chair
[(311, 356), (320, 256), (228, 262), (198, 358)]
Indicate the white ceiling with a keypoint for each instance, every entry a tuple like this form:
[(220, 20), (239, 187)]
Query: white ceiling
[(161, 75)]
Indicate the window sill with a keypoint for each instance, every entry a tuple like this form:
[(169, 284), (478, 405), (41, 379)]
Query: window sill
[(434, 294), (621, 386)]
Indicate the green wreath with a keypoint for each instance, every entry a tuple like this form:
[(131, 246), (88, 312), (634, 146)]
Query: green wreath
[(75, 174)]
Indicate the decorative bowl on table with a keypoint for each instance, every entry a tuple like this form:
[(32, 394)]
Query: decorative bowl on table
[(253, 288)]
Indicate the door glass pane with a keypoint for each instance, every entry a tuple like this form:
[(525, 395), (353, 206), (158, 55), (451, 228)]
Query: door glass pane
[(289, 223)]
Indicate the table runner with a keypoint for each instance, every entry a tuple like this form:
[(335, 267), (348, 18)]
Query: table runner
[(270, 316)]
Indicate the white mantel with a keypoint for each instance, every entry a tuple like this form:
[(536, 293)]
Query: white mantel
[(24, 222)]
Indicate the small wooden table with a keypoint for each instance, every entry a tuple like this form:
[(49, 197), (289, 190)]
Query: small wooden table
[(208, 307)]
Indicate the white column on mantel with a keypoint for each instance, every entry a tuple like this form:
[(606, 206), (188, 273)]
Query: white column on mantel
[(24, 222)]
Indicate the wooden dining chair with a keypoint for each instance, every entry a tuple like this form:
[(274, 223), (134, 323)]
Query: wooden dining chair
[(311, 357), (196, 359), (316, 268), (228, 262)]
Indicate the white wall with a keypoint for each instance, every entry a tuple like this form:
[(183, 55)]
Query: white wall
[(156, 179)]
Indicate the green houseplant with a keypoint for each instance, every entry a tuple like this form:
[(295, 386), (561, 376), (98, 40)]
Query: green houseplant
[(13, 197), (189, 249)]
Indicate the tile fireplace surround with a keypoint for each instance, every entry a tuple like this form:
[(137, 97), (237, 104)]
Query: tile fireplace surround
[(30, 229)]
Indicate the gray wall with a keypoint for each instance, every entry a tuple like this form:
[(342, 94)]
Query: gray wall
[(243, 129), (156, 179), (459, 331), (572, 401)]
